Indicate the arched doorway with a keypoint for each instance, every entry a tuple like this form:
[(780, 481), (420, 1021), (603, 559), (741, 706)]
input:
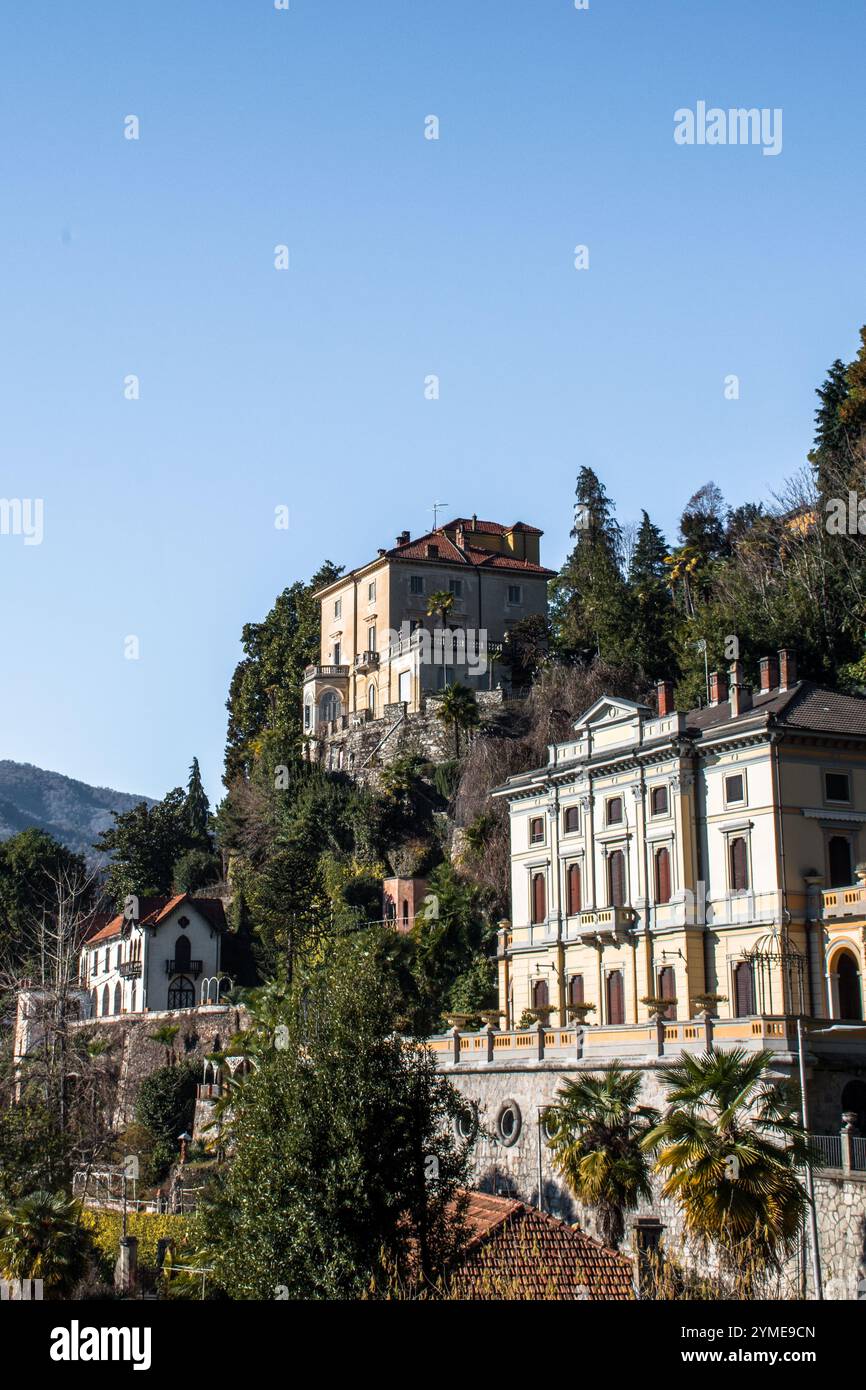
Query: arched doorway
[(181, 994), (330, 706), (848, 986)]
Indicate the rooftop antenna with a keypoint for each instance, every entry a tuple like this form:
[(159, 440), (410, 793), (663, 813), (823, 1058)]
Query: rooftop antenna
[(437, 506)]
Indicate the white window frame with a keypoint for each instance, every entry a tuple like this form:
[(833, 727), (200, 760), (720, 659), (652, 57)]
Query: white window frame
[(741, 801)]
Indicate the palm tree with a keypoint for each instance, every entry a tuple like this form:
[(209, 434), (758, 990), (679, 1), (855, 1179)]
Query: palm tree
[(165, 1035), (440, 605), (730, 1144), (41, 1238), (459, 709), (597, 1133)]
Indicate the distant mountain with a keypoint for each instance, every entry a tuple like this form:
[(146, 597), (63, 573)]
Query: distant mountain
[(74, 813)]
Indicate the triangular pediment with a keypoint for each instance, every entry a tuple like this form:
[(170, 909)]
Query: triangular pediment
[(607, 711)]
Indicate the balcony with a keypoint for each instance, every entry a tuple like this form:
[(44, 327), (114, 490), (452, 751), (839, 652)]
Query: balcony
[(843, 902), (328, 672), (129, 969), (366, 661), (180, 967), (608, 924)]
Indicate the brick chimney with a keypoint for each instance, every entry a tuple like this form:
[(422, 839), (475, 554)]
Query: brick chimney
[(403, 538), (741, 695), (665, 697), (769, 668), (787, 668), (718, 687)]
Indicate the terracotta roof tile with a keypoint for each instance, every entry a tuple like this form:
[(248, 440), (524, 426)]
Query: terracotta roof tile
[(518, 1252), (153, 911)]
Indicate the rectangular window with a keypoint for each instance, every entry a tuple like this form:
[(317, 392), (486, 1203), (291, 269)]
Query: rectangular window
[(659, 801), (536, 830), (614, 811), (735, 789), (837, 787), (571, 821), (371, 639), (337, 653), (739, 863), (416, 584), (338, 608), (514, 593), (455, 587), (371, 590)]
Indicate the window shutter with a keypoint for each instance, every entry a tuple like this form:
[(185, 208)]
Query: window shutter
[(539, 898), (615, 998), (739, 865), (540, 995), (575, 989), (744, 990), (668, 988), (616, 878), (663, 876), (573, 889)]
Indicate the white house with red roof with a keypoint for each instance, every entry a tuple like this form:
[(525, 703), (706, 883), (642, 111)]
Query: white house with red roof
[(158, 954), (380, 645)]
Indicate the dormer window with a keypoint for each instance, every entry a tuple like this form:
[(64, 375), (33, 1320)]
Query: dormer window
[(432, 552)]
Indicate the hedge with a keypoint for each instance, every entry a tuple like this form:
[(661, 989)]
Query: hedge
[(106, 1228)]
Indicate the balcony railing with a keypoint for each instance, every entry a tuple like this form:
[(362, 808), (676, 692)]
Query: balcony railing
[(366, 661), (179, 967), (129, 969), (334, 672), (844, 902)]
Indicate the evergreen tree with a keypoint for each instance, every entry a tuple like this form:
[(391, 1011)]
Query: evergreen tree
[(830, 454), (197, 810), (145, 844), (652, 611), (588, 597)]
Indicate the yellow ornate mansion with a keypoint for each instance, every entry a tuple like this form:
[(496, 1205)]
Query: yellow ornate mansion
[(709, 859), (377, 644)]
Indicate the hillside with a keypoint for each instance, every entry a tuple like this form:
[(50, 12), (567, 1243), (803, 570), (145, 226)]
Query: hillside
[(73, 812)]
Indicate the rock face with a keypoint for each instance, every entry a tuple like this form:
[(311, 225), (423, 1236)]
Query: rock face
[(73, 812)]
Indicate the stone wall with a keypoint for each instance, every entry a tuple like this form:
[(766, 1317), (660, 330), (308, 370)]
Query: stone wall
[(520, 1165)]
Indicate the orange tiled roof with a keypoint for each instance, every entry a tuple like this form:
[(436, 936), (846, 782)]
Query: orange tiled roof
[(518, 1252), (153, 911), (475, 556), (491, 528)]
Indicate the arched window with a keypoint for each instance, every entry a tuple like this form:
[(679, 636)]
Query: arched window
[(182, 954), (329, 707), (371, 699), (744, 989), (406, 913), (739, 865), (839, 854), (848, 981), (104, 999), (614, 811), (540, 995), (573, 881), (539, 898), (117, 998), (663, 875), (615, 997), (616, 879), (575, 990), (668, 989), (181, 994)]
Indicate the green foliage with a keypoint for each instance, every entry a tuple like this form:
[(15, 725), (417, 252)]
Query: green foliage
[(29, 864), (165, 1106), (145, 843), (597, 1132), (342, 1157), (458, 709), (730, 1145), (475, 988), (105, 1229), (588, 597), (41, 1238)]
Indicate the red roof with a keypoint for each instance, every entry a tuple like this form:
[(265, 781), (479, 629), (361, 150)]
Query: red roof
[(518, 1252), (492, 528), (153, 911), (473, 555)]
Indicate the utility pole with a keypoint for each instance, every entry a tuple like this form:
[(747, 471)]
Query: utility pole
[(810, 1183)]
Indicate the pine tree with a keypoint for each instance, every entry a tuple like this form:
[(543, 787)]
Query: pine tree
[(830, 455), (651, 607), (588, 597), (197, 809)]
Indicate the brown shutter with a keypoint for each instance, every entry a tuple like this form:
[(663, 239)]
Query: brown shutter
[(616, 878), (739, 865), (668, 988), (615, 998), (575, 989), (663, 876), (539, 898), (573, 889), (540, 995), (745, 992)]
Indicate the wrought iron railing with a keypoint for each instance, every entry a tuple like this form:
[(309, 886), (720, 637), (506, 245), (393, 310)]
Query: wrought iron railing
[(180, 967)]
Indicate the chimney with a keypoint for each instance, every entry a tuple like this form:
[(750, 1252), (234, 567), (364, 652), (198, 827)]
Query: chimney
[(474, 521), (769, 668), (665, 697), (403, 538), (741, 695), (718, 687), (787, 668)]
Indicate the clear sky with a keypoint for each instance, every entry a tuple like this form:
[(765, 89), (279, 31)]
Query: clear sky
[(408, 256)]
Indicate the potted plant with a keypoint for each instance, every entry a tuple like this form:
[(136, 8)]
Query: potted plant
[(580, 1011), (709, 1003), (658, 1006)]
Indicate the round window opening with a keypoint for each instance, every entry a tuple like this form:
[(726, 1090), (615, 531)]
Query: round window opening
[(467, 1124), (508, 1123)]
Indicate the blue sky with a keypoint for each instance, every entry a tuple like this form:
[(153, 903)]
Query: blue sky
[(304, 388)]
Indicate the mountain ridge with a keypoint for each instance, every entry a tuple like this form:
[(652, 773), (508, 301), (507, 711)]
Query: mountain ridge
[(74, 812)]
